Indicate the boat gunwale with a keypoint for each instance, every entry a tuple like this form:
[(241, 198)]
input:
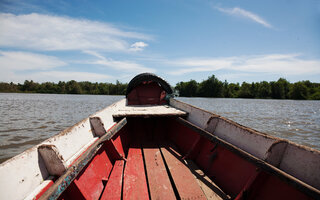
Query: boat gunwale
[(243, 127), (295, 182), (72, 172), (40, 166), (60, 133)]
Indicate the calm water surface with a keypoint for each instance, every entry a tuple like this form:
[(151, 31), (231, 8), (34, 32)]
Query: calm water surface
[(28, 119)]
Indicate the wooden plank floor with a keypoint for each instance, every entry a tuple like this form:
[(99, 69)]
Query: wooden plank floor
[(159, 183), (135, 182), (154, 171), (114, 185), (186, 184)]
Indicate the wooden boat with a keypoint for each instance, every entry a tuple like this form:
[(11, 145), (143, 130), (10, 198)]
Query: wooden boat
[(151, 146)]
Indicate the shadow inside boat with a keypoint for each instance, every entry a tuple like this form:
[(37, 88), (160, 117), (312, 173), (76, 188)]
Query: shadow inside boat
[(196, 171)]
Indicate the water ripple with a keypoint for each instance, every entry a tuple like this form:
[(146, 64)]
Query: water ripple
[(28, 119)]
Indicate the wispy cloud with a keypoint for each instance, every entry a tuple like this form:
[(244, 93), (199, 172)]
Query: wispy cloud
[(54, 76), (281, 64), (138, 46), (20, 66), (18, 61), (129, 66), (46, 32), (245, 14)]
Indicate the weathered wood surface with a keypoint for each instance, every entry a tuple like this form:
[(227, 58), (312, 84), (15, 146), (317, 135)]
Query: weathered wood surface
[(210, 189), (97, 126), (307, 189), (134, 180), (53, 160), (65, 180), (148, 111), (300, 161), (114, 185), (158, 179), (186, 184)]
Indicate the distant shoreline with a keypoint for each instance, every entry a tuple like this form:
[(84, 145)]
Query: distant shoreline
[(211, 87)]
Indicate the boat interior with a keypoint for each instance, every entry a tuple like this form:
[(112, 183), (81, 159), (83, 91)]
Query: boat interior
[(154, 152), (167, 158)]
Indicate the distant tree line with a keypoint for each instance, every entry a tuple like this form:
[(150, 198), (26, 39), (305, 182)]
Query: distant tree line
[(281, 89), (70, 87), (211, 87)]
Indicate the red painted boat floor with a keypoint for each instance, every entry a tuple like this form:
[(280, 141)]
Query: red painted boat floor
[(153, 171), (185, 182), (135, 182), (114, 185)]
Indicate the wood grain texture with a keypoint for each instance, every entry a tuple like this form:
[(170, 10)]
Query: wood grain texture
[(186, 184), (114, 185), (158, 179), (135, 182)]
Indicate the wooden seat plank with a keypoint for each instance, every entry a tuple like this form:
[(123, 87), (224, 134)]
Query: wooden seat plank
[(135, 183), (114, 184), (186, 184), (148, 111), (159, 183)]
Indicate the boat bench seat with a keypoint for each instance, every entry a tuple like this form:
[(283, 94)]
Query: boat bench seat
[(148, 111), (158, 172)]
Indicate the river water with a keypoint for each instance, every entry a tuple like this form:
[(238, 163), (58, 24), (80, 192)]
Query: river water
[(28, 119)]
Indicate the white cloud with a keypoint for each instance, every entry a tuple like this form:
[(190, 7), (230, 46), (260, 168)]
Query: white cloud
[(13, 60), (45, 32), (21, 66), (246, 14), (116, 64), (138, 46), (281, 64), (53, 76), (199, 65)]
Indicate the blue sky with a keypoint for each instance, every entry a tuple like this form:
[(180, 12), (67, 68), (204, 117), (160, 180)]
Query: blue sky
[(105, 41)]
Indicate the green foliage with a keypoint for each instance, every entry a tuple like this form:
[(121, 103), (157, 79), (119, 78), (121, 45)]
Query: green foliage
[(70, 87), (187, 89), (264, 90), (281, 89), (315, 96), (246, 90), (298, 91), (211, 87), (8, 87), (232, 90)]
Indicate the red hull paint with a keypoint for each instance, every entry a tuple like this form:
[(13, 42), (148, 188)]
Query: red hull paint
[(135, 182), (158, 179), (149, 93), (114, 185), (43, 190)]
